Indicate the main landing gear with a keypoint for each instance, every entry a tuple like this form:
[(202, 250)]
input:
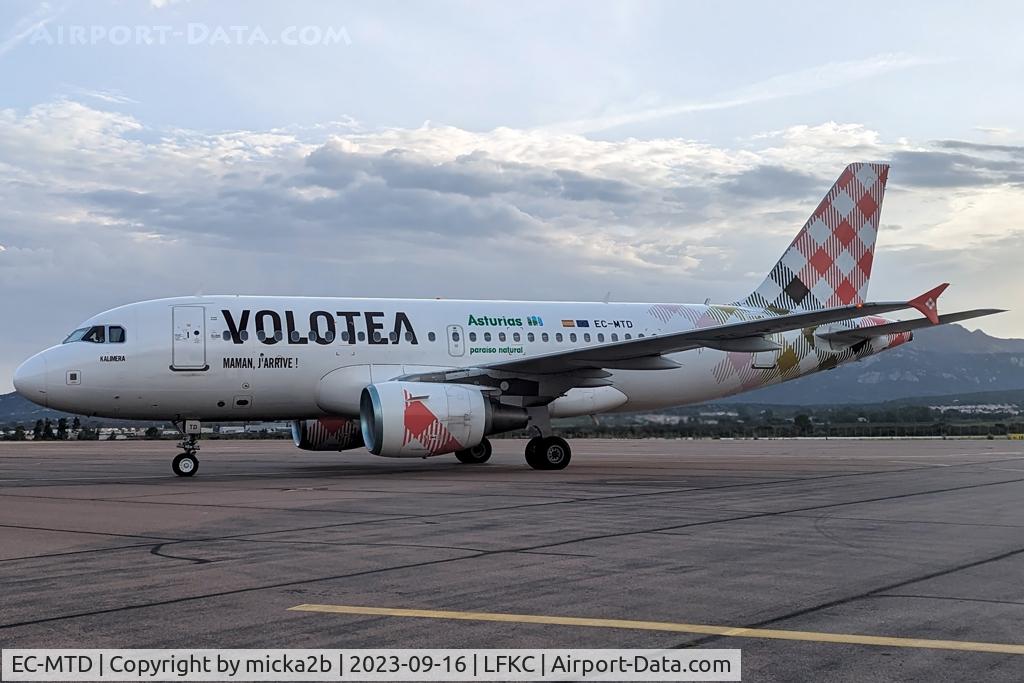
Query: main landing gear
[(543, 451), (548, 453), (186, 464), (476, 455)]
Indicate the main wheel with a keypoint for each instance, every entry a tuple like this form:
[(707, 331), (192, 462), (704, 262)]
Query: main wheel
[(185, 465), (551, 453), (532, 449), (476, 455)]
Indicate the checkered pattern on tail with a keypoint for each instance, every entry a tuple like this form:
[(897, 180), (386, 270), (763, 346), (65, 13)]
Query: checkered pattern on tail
[(829, 262)]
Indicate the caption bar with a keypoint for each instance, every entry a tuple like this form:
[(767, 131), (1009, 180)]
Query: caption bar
[(370, 665)]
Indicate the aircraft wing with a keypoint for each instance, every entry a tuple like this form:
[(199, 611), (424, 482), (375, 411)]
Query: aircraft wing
[(745, 336), (852, 336), (586, 365)]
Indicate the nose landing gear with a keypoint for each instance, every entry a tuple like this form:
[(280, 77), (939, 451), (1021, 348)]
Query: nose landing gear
[(186, 464)]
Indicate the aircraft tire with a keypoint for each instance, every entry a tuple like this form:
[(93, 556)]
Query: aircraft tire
[(550, 453), (185, 465), (477, 455), (532, 446)]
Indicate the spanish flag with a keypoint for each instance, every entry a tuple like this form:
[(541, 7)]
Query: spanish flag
[(568, 323)]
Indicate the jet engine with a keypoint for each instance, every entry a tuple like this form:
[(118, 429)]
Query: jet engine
[(420, 419), (327, 434)]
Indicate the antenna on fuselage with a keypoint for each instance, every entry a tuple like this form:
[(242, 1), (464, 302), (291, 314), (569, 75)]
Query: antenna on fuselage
[(607, 298)]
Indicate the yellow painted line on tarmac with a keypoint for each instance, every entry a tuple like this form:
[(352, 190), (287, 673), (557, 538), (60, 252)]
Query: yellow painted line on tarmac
[(704, 629)]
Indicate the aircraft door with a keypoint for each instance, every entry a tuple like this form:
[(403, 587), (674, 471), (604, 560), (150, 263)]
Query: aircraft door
[(456, 341), (188, 339)]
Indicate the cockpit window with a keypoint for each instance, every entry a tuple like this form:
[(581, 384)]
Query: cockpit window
[(96, 335), (76, 335)]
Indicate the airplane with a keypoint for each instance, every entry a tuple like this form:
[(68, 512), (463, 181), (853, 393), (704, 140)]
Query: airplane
[(427, 377)]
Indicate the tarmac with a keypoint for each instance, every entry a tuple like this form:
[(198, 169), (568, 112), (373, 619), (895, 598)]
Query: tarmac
[(821, 560)]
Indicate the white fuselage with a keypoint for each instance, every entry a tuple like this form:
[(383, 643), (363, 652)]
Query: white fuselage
[(275, 358)]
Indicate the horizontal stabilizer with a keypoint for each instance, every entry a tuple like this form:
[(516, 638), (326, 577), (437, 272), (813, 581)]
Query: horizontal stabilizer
[(861, 333), (928, 303)]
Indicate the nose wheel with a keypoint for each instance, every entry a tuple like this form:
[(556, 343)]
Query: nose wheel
[(548, 453), (185, 464)]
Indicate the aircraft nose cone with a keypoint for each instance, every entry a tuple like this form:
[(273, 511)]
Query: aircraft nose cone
[(30, 379)]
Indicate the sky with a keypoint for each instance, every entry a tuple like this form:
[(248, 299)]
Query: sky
[(644, 151)]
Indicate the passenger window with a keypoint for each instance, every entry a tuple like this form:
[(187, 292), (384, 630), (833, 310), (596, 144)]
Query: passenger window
[(431, 336), (393, 337), (600, 337), (361, 336), (544, 336), (472, 336), (226, 335), (344, 336), (529, 336), (487, 336), (615, 337), (408, 336), (278, 336), (96, 335), (244, 335), (586, 337), (455, 336), (558, 336), (294, 336), (501, 336), (261, 335), (629, 336), (572, 337), (515, 336), (329, 335), (312, 336), (640, 336)]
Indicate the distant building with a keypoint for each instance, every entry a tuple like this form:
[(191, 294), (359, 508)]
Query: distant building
[(981, 408), (268, 427)]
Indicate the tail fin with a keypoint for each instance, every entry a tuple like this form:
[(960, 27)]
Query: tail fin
[(829, 262)]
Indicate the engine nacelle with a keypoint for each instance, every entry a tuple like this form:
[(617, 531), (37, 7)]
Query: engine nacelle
[(420, 419), (327, 434)]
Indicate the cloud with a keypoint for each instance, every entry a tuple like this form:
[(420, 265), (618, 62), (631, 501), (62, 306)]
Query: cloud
[(800, 82), (773, 182), (1015, 150), (995, 131), (98, 209), (109, 96), (941, 169)]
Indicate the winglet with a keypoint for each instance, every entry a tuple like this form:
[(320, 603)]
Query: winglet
[(928, 303)]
